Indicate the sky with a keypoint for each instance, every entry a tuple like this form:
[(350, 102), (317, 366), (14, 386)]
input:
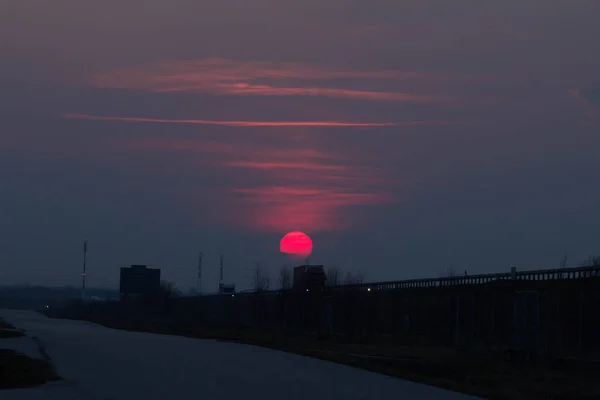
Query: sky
[(404, 136)]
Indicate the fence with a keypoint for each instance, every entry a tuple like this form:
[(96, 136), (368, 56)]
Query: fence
[(544, 311)]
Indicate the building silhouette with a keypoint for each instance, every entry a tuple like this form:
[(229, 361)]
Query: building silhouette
[(138, 280), (309, 277)]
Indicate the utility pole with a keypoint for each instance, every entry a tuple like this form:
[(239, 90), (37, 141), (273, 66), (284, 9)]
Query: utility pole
[(257, 277), (221, 274), (199, 277), (83, 272)]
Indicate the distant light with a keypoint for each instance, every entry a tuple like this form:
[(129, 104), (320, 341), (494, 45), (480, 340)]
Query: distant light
[(47, 306), (307, 290), (369, 289), (233, 295)]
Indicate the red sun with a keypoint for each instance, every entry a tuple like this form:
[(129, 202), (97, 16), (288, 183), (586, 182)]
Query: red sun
[(296, 244)]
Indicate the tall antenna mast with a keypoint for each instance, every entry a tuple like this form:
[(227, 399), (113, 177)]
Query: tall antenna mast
[(221, 273), (83, 270), (199, 277)]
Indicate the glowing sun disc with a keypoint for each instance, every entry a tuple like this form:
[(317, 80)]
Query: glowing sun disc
[(297, 244)]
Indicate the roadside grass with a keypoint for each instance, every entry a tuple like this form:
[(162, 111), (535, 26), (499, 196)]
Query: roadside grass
[(490, 375), (5, 325), (19, 371), (10, 333)]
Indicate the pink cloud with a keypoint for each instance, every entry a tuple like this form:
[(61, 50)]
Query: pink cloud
[(261, 78), (174, 145), (284, 165), (298, 187), (334, 196), (266, 90), (262, 123), (236, 152), (283, 208)]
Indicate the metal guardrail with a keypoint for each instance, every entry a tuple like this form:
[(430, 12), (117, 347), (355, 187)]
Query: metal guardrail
[(534, 275), (452, 281)]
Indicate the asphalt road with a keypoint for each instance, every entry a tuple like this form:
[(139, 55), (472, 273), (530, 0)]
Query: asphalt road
[(99, 363)]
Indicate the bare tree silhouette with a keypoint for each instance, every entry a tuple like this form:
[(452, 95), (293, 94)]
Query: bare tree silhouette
[(168, 290), (354, 279), (592, 261), (564, 260), (333, 276), (285, 278), (261, 280)]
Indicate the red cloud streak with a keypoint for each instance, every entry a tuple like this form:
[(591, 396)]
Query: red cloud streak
[(219, 76), (285, 165), (260, 123), (280, 208), (297, 187)]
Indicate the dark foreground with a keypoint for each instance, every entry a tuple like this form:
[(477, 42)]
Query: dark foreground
[(494, 375), (18, 370), (96, 362)]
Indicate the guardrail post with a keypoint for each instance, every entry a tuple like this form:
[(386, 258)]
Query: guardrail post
[(580, 336)]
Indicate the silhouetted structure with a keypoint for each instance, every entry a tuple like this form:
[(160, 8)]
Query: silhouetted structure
[(225, 288), (138, 280), (309, 277)]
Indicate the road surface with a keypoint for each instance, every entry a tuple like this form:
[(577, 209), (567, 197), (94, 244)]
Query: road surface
[(99, 363)]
